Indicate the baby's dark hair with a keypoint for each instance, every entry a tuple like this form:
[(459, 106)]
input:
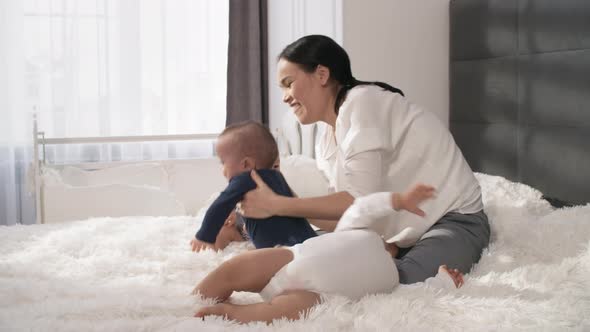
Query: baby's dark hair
[(253, 139)]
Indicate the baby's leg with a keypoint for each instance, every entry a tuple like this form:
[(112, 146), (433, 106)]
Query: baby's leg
[(249, 272), (290, 305), (227, 234)]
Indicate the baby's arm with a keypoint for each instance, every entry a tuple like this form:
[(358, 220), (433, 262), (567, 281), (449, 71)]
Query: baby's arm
[(228, 233), (219, 211)]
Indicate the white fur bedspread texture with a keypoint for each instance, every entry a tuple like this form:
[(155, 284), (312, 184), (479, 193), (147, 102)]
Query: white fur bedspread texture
[(136, 274)]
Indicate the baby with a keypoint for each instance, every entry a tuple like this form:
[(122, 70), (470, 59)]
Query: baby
[(351, 261), (242, 148)]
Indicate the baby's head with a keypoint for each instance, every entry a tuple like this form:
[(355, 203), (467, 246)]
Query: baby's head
[(246, 146)]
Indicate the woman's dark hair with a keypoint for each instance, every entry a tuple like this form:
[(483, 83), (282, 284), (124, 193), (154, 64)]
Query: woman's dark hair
[(310, 51)]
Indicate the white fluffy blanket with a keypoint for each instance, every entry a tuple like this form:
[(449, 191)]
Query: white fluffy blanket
[(132, 274)]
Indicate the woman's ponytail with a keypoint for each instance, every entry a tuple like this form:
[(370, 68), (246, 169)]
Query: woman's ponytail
[(354, 82), (310, 51)]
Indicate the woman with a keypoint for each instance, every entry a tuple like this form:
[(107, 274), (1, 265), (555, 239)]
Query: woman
[(377, 141)]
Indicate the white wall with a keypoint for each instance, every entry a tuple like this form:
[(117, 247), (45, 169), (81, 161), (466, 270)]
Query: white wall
[(401, 42), (404, 43)]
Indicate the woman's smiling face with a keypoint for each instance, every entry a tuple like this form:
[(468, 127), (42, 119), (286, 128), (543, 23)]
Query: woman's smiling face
[(302, 91)]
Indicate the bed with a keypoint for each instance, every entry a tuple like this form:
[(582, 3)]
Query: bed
[(135, 273), (68, 191)]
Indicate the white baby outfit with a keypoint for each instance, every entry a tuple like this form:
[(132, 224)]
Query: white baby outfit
[(351, 261)]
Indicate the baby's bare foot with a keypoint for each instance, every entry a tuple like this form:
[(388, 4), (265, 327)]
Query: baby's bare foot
[(455, 274), (214, 310)]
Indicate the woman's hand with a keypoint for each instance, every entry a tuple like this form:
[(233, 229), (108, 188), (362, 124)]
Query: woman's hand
[(260, 202), (410, 200)]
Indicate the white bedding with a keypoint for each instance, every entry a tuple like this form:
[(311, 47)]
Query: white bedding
[(129, 274), (165, 188)]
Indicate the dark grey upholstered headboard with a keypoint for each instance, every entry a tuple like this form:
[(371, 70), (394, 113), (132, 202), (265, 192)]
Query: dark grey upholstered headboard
[(520, 91)]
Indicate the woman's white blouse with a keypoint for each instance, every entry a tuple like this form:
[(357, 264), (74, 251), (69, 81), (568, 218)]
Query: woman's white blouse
[(381, 143)]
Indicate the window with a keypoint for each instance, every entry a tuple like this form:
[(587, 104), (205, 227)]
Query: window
[(121, 68)]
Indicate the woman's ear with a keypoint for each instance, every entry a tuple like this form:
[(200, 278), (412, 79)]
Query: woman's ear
[(323, 74)]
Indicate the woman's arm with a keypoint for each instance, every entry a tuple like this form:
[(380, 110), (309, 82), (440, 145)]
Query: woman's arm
[(262, 202), (324, 225), (330, 207)]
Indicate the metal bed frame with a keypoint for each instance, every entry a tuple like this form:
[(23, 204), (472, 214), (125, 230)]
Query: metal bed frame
[(40, 142)]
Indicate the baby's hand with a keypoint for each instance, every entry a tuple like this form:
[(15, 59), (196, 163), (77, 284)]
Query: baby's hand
[(410, 200), (197, 245)]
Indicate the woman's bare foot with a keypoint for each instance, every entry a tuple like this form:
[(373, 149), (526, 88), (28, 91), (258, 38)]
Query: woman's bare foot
[(455, 274), (220, 309)]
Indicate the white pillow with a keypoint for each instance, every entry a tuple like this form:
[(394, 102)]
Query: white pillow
[(303, 176), (115, 200), (193, 181), (301, 173), (144, 174)]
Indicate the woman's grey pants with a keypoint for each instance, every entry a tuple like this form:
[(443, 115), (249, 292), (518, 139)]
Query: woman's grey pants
[(456, 240)]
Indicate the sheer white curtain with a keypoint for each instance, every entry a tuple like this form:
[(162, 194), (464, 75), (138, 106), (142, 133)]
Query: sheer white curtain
[(107, 68)]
